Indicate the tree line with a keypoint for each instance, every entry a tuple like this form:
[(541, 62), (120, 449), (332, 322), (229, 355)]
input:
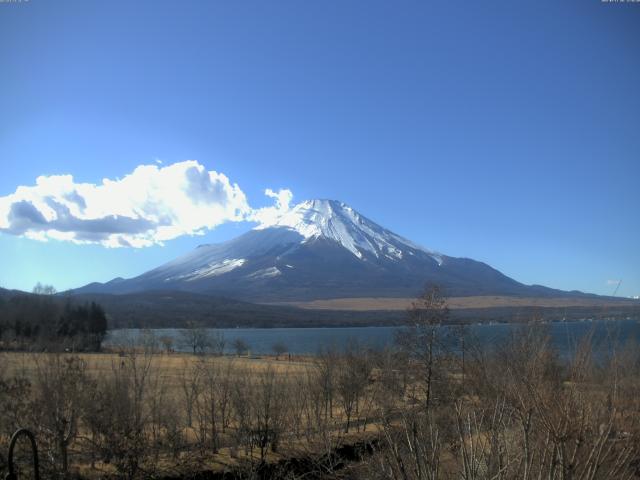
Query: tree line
[(42, 320)]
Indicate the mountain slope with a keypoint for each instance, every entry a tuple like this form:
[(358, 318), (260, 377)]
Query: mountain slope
[(320, 249)]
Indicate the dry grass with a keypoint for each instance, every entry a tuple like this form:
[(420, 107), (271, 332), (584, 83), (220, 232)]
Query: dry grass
[(172, 365), (171, 370), (372, 304)]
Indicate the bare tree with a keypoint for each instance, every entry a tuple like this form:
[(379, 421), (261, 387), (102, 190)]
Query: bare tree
[(268, 409), (58, 389), (196, 338), (119, 415), (205, 405), (240, 346), (149, 341), (217, 343), (279, 348), (422, 339), (190, 384), (40, 289), (167, 343), (352, 379), (326, 364)]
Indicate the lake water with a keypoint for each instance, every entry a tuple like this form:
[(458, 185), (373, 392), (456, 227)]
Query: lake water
[(564, 336)]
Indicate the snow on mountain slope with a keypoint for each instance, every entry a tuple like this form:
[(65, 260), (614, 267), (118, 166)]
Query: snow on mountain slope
[(339, 222), (208, 261)]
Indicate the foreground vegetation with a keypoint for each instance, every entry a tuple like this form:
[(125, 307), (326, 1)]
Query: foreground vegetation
[(515, 411)]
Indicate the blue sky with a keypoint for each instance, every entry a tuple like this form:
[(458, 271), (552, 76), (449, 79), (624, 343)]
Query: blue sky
[(508, 132)]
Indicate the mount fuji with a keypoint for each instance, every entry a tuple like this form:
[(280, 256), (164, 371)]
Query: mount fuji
[(321, 249)]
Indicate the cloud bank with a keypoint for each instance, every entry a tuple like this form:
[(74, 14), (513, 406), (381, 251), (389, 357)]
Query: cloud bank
[(152, 204)]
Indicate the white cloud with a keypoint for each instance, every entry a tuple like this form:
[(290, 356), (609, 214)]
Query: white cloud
[(613, 282), (283, 197), (152, 204), (269, 215)]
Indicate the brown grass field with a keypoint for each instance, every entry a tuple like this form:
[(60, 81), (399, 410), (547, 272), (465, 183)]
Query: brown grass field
[(172, 365), (171, 369), (364, 304), (389, 411)]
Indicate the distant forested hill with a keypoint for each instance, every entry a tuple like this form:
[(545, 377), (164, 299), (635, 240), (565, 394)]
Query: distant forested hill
[(175, 309), (36, 321)]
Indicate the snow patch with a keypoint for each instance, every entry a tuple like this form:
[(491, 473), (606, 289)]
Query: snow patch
[(265, 273), (211, 270)]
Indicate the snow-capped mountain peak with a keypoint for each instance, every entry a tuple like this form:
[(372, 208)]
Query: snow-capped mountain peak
[(333, 220), (318, 249)]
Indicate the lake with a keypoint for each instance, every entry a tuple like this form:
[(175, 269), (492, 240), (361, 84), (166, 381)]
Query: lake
[(564, 336)]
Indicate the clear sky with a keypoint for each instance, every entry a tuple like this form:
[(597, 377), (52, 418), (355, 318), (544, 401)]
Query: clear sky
[(508, 132)]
